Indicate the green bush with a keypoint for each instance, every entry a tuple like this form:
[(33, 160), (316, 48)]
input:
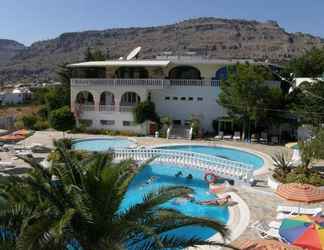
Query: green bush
[(41, 125), (29, 121), (62, 119), (145, 111)]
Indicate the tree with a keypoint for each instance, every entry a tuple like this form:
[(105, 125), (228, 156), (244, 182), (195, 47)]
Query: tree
[(145, 111), (62, 119), (78, 202), (307, 102), (29, 121), (245, 93), (311, 64)]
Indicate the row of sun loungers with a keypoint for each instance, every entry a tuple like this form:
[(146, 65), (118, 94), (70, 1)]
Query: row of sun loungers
[(271, 230), (237, 136)]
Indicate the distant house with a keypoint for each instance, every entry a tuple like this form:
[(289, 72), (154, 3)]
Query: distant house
[(16, 96)]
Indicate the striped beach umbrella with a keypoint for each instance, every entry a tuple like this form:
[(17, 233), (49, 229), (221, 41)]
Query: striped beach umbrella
[(300, 192), (304, 231)]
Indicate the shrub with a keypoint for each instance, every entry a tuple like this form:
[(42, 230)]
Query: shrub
[(145, 111), (62, 119), (41, 125), (29, 121)]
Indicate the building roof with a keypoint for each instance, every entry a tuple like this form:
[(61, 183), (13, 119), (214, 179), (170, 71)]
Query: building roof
[(161, 63)]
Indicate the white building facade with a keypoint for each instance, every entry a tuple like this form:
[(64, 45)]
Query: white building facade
[(104, 94)]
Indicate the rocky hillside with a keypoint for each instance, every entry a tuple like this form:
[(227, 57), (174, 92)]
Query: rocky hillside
[(9, 49), (213, 37)]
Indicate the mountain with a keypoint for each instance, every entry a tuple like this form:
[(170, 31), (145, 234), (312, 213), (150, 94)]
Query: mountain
[(212, 37), (9, 49)]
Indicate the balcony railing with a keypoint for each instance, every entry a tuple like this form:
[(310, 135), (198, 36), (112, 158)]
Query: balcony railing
[(123, 109), (106, 108), (153, 83), (86, 108)]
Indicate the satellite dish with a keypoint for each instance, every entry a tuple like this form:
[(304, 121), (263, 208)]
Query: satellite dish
[(134, 53)]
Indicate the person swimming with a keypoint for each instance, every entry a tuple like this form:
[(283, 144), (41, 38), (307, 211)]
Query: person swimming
[(151, 179), (189, 177), (178, 174), (217, 202)]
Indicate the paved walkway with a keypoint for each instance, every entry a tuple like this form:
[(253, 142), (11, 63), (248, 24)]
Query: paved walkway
[(261, 200)]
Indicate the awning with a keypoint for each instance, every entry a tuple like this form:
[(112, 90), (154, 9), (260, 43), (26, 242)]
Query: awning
[(130, 63)]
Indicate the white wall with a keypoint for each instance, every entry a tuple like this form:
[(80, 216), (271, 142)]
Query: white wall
[(207, 110)]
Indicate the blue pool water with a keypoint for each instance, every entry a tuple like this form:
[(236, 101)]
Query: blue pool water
[(101, 144), (165, 176), (227, 153)]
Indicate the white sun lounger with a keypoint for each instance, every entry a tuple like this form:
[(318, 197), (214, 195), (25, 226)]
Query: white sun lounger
[(265, 231), (298, 210), (219, 136), (237, 136)]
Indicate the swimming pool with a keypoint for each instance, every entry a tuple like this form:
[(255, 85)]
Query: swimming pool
[(101, 144), (226, 153), (164, 175)]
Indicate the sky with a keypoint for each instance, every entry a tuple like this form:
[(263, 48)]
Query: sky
[(27, 21)]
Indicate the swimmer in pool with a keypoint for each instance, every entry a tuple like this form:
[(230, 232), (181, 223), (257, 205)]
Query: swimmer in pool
[(189, 177), (151, 179), (178, 174)]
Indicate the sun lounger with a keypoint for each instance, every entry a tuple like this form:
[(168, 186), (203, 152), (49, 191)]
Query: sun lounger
[(265, 231), (264, 137), (299, 210), (219, 136), (237, 136), (227, 137), (6, 164), (275, 224)]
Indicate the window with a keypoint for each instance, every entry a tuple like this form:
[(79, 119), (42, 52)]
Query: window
[(183, 98), (107, 122), (176, 122), (190, 98), (199, 99), (175, 98), (167, 98), (128, 123)]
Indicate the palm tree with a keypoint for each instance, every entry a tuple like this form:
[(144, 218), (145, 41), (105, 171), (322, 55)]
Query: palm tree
[(78, 201)]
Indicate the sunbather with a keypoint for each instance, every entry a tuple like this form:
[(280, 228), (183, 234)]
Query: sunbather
[(217, 202)]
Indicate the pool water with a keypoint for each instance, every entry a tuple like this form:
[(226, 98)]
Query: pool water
[(101, 144), (226, 153), (164, 175)]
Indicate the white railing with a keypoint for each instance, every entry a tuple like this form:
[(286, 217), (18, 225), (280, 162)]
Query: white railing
[(208, 163), (107, 108), (201, 83), (86, 108), (155, 83), (126, 108)]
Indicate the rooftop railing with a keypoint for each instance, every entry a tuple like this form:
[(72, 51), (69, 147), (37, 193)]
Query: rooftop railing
[(153, 83), (207, 163)]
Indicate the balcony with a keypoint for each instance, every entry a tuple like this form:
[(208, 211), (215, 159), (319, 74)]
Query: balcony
[(149, 83), (106, 108)]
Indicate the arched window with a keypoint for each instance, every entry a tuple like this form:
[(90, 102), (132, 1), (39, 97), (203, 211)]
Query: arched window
[(184, 72), (130, 99), (85, 98), (221, 74), (132, 73), (107, 98)]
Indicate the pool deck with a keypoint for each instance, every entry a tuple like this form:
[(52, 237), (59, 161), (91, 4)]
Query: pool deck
[(257, 203)]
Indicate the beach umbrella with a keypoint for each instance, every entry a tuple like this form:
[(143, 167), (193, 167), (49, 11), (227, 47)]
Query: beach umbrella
[(304, 231), (22, 132), (300, 192), (12, 138)]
